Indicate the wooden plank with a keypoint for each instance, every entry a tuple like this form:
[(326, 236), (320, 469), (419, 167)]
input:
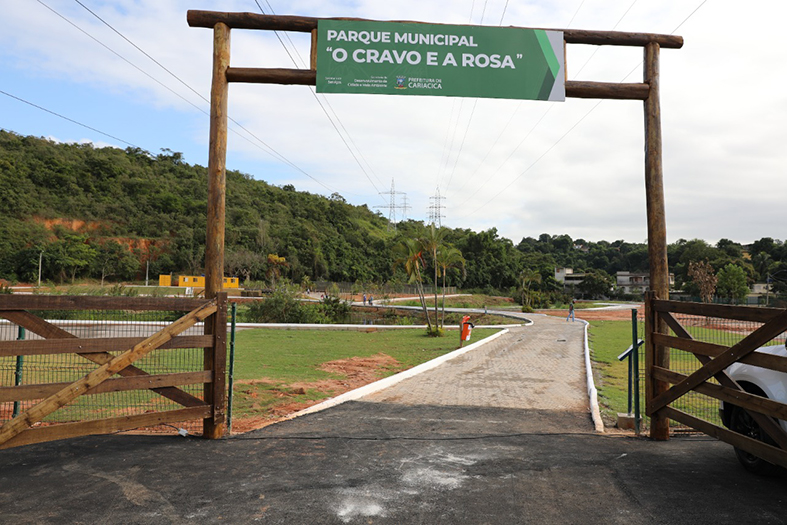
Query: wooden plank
[(313, 53), (98, 344), (88, 302), (769, 361), (654, 356), (607, 90), (48, 330), (745, 347), (217, 162), (256, 75), (104, 426), (215, 359), (50, 404), (740, 398), (146, 382), (36, 325), (758, 448), (304, 24), (755, 314), (308, 77)]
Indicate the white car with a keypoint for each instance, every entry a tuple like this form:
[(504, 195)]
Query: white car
[(763, 382)]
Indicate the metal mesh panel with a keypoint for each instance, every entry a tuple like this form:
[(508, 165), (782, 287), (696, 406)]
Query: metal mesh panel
[(69, 367)]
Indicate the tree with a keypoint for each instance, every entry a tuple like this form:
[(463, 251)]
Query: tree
[(70, 253), (275, 266), (528, 276), (448, 257), (409, 254), (114, 259), (431, 243), (596, 283), (732, 283), (701, 274)]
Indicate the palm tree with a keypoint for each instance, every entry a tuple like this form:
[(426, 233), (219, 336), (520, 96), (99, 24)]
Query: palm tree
[(409, 254), (528, 276), (449, 257), (431, 243)]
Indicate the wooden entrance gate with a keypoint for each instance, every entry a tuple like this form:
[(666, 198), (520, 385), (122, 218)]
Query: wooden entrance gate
[(166, 362), (767, 324)]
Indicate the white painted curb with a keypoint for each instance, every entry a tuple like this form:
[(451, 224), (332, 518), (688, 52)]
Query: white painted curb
[(592, 392), (371, 388)]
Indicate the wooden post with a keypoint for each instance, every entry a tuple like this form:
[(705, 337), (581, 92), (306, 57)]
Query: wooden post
[(216, 361), (657, 233), (217, 162), (214, 358)]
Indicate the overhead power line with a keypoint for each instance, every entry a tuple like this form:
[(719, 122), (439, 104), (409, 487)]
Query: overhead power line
[(575, 124), (265, 147), (331, 120), (69, 119)]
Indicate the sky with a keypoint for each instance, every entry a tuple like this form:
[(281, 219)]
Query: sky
[(142, 78)]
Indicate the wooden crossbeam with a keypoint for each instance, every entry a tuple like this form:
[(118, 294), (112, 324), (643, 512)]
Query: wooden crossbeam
[(768, 425), (49, 331), (42, 390), (105, 426), (96, 377), (769, 361), (93, 345), (740, 398), (746, 346)]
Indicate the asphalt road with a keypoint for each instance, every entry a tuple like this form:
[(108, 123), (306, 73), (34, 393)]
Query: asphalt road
[(376, 463)]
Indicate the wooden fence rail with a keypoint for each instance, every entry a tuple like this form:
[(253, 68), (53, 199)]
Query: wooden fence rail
[(667, 386), (103, 352)]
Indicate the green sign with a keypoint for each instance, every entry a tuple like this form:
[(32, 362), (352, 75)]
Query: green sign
[(439, 60)]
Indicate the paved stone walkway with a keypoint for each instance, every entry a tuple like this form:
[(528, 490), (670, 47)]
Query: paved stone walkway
[(531, 367)]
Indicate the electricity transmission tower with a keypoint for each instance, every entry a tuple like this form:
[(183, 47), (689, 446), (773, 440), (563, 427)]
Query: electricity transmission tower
[(392, 206), (435, 209)]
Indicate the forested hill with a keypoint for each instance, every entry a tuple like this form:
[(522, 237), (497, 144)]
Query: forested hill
[(106, 212)]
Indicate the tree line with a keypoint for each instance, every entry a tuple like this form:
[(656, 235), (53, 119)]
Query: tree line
[(112, 214)]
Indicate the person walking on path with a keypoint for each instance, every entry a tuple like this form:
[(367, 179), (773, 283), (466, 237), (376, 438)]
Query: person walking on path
[(364, 299), (570, 311)]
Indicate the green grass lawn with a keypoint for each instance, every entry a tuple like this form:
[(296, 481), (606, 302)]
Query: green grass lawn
[(607, 340), (267, 362)]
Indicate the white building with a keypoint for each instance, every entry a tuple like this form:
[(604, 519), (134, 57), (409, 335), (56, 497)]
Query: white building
[(637, 282)]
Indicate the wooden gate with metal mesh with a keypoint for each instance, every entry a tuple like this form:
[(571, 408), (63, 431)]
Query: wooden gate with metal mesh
[(73, 366), (664, 387)]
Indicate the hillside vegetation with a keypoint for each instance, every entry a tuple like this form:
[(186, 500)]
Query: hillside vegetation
[(105, 213)]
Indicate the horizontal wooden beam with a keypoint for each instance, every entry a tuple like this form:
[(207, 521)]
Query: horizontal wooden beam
[(89, 302), (723, 311), (305, 24), (98, 344), (305, 77), (758, 448), (104, 426), (308, 77), (770, 361), (607, 90), (40, 391)]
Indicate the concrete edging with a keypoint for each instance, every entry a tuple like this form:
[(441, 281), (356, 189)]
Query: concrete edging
[(595, 412), (371, 388)]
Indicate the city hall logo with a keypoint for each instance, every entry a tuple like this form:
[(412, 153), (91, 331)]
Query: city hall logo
[(400, 82)]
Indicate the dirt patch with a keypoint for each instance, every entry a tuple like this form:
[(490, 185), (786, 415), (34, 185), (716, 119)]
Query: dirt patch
[(595, 315), (356, 372)]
